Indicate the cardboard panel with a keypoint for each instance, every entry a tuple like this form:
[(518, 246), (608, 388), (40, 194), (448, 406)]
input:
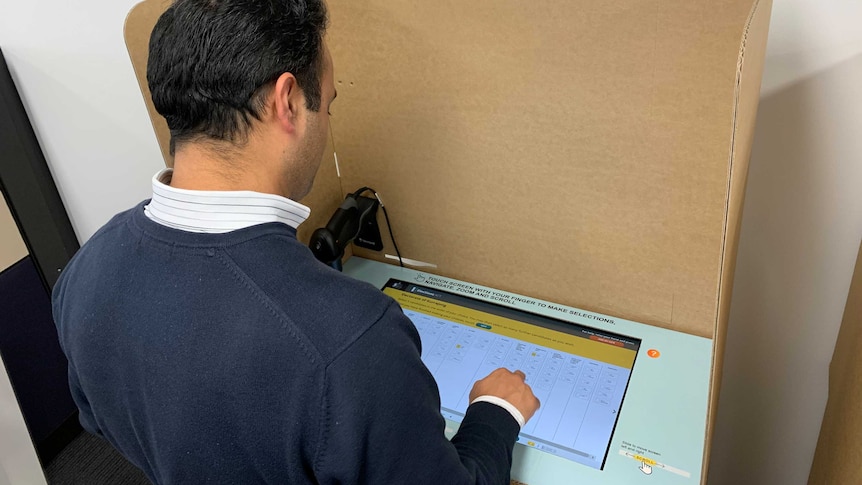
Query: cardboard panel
[(575, 151), (12, 248), (592, 154), (326, 194), (839, 452), (751, 57), (139, 25)]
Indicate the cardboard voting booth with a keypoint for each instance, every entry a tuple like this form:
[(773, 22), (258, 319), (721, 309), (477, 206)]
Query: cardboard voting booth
[(554, 163), (839, 453)]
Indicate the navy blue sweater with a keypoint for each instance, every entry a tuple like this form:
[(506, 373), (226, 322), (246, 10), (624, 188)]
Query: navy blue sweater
[(238, 358)]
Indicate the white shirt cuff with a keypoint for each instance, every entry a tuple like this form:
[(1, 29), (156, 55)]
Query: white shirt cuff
[(505, 405)]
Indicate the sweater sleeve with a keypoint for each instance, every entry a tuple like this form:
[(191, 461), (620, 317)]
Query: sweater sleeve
[(381, 420), (85, 412)]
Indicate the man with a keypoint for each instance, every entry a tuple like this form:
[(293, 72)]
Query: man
[(204, 341)]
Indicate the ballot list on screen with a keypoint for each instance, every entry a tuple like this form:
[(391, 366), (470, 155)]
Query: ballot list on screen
[(579, 374)]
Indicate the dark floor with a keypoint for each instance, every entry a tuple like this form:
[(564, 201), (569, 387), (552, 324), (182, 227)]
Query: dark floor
[(89, 460)]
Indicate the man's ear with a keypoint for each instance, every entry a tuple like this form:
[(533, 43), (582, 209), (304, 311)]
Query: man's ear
[(289, 102)]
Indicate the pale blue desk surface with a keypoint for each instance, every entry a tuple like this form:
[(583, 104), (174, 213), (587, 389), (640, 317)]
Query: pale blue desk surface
[(663, 416)]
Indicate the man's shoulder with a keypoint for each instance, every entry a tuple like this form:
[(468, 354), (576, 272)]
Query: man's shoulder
[(117, 221), (103, 242), (330, 308)]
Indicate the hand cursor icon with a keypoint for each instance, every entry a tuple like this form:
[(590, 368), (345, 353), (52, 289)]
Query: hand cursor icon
[(645, 468)]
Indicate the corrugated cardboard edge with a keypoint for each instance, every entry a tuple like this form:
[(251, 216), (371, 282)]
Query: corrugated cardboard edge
[(838, 455), (136, 31), (747, 96)]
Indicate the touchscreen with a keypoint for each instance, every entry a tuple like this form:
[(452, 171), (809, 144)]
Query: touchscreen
[(580, 374)]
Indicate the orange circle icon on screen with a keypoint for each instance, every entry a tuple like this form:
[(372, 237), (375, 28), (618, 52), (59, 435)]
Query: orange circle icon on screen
[(655, 354)]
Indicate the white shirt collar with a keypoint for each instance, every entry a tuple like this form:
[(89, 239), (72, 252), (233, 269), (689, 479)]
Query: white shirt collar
[(218, 211)]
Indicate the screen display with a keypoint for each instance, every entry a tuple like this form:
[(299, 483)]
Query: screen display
[(580, 374)]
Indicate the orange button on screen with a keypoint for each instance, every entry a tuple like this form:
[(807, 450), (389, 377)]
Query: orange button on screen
[(603, 340), (655, 354)]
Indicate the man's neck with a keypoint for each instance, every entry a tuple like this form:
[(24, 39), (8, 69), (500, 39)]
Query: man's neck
[(195, 169)]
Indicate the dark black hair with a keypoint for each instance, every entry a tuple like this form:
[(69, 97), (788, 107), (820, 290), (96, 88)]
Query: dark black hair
[(212, 62)]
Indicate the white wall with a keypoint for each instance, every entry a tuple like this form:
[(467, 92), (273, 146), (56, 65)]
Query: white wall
[(70, 65), (801, 229), (800, 235)]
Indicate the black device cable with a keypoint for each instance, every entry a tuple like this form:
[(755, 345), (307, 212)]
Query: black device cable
[(386, 216)]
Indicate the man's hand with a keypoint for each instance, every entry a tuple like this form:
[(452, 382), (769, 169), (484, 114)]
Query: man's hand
[(509, 386)]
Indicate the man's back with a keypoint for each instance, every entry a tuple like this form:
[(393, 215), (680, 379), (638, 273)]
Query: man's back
[(222, 358)]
